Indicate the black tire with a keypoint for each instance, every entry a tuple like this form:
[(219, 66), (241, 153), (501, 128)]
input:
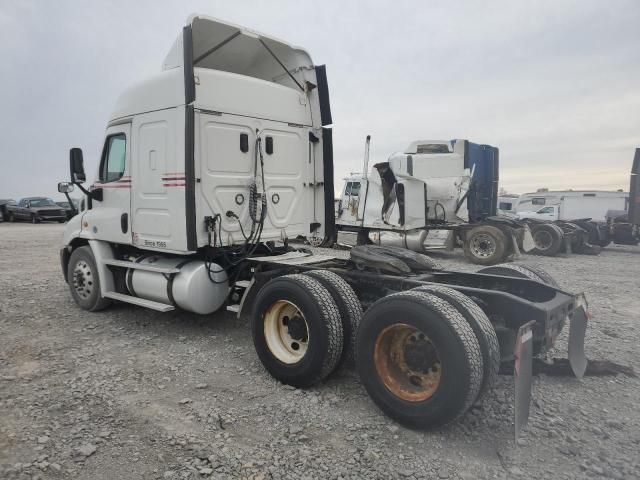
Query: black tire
[(323, 326), (485, 245), (547, 238), (542, 274), (593, 232), (438, 322), (34, 218), (12, 217), (482, 327), (521, 270), (84, 282), (348, 305)]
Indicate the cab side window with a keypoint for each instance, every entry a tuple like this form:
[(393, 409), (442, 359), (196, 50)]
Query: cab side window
[(546, 210), (112, 165), (352, 189)]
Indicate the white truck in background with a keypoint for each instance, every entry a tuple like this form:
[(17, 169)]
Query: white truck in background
[(434, 195), (212, 166), (569, 221), (570, 205)]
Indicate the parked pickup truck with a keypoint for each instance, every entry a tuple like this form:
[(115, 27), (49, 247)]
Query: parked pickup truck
[(70, 210), (35, 210)]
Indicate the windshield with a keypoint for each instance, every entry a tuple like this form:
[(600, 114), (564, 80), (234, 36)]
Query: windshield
[(42, 202)]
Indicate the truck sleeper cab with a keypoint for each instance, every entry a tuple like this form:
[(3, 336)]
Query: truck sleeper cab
[(209, 168)]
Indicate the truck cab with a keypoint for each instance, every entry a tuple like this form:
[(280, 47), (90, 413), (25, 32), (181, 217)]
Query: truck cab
[(227, 147), (207, 135)]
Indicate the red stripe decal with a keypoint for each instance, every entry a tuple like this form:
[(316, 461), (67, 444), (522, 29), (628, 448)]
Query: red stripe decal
[(173, 185)]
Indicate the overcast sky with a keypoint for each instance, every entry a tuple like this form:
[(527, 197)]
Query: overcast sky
[(555, 85)]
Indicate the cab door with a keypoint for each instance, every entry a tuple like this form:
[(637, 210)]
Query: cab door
[(109, 219)]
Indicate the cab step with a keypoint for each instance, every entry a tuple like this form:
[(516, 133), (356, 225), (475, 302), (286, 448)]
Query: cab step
[(141, 302), (140, 266), (233, 308)]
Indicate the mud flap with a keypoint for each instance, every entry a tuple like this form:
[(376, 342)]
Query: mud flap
[(527, 241), (523, 353), (516, 250), (577, 331)]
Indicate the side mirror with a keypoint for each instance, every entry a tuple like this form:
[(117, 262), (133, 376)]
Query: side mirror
[(76, 166), (65, 187)]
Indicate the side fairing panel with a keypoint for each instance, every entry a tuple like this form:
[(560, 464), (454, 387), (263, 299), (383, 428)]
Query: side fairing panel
[(158, 181)]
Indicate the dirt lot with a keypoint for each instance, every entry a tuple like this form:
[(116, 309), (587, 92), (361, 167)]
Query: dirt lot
[(131, 393)]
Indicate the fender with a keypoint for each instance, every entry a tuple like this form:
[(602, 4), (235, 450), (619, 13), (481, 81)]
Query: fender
[(102, 251)]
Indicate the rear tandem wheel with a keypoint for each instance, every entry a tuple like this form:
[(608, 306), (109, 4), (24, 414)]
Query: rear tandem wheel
[(485, 245), (418, 359), (297, 331)]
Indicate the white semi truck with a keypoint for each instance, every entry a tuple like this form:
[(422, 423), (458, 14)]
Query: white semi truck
[(436, 194), (211, 166)]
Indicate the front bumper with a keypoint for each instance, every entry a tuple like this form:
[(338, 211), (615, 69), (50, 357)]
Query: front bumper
[(51, 218)]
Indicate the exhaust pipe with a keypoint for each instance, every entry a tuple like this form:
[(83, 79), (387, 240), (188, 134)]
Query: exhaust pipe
[(365, 167)]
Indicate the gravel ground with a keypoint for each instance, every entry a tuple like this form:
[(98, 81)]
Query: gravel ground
[(130, 393)]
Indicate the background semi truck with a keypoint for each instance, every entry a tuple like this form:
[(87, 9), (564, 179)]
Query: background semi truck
[(436, 194), (211, 166), (623, 226)]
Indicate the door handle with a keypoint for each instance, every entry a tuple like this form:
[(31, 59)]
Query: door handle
[(124, 222)]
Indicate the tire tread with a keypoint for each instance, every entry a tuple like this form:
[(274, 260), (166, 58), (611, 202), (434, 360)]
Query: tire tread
[(348, 305), (482, 327)]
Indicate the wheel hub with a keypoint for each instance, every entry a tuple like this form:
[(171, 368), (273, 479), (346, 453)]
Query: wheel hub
[(483, 245), (286, 332), (407, 362), (542, 240), (296, 327), (83, 279)]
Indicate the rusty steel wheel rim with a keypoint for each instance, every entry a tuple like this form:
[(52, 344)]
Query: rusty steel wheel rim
[(286, 332), (407, 362), (543, 240)]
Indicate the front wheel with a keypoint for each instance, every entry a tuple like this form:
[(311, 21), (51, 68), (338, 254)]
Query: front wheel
[(84, 282), (12, 217)]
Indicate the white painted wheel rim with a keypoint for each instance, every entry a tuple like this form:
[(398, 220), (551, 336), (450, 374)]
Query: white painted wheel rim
[(286, 332)]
